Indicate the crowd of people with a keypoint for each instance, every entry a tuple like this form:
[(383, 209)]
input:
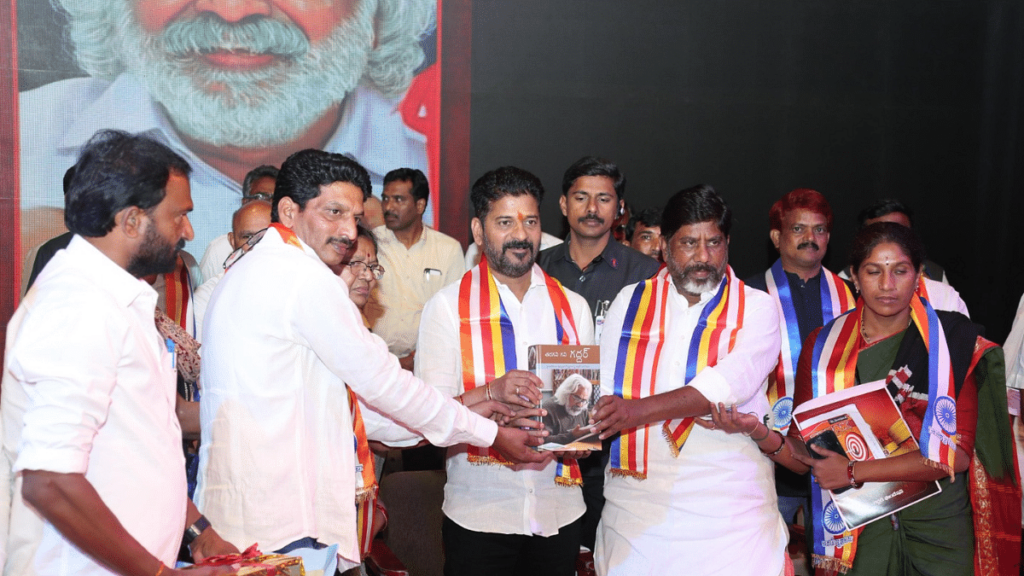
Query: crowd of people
[(149, 415)]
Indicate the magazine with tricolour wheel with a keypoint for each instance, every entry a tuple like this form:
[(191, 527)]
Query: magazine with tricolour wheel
[(862, 423)]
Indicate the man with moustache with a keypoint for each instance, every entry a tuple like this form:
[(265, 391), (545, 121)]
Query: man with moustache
[(592, 264), (502, 519), (228, 85), (421, 261), (286, 361), (95, 479), (807, 296), (680, 494)]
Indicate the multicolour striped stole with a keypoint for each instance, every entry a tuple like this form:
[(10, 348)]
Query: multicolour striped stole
[(639, 350), (366, 480), (922, 288), (835, 300), (178, 295), (488, 344), (834, 368)]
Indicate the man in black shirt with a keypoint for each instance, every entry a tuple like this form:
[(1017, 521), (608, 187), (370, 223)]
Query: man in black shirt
[(808, 296), (596, 267)]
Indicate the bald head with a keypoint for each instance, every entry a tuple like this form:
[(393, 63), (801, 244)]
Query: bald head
[(248, 220)]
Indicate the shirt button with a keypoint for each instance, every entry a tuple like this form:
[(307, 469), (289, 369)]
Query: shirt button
[(582, 278)]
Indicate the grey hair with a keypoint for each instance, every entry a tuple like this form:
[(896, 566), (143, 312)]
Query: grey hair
[(568, 386), (96, 28)]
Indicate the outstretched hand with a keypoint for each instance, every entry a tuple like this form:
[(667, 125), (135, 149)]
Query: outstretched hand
[(730, 420), (613, 414), (493, 410), (517, 446), (518, 388)]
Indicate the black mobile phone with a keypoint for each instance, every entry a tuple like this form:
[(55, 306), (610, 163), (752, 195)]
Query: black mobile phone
[(829, 440)]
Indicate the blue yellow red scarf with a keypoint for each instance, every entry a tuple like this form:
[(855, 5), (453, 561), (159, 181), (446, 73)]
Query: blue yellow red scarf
[(834, 368), (488, 345), (836, 299), (639, 349)]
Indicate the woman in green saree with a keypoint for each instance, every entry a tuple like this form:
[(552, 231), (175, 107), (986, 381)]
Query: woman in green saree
[(949, 386)]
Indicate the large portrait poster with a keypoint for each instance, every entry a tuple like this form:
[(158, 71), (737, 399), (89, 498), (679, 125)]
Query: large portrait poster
[(228, 85)]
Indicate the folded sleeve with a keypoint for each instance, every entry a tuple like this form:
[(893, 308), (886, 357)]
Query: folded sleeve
[(68, 389)]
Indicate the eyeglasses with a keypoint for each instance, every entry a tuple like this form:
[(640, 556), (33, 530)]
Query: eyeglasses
[(257, 196), (242, 250), (358, 267)]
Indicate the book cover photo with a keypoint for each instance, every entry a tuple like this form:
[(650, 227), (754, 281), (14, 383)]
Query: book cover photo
[(571, 376)]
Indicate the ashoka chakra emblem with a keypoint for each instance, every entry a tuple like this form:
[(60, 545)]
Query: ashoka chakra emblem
[(945, 413), (831, 519), (782, 412)]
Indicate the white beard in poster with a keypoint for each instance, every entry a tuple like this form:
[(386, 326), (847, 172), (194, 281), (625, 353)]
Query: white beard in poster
[(258, 107)]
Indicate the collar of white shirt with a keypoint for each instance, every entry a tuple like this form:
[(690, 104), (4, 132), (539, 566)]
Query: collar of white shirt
[(124, 287)]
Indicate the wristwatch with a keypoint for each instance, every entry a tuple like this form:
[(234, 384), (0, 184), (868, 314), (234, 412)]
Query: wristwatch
[(193, 531)]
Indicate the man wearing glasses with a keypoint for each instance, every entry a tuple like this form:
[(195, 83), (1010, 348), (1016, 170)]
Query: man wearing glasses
[(253, 216), (258, 185)]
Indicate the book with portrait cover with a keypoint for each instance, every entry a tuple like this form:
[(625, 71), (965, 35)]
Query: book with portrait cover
[(572, 378), (862, 423)]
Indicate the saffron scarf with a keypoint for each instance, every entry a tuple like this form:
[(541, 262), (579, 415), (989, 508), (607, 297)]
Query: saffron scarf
[(641, 340), (488, 345), (366, 480), (836, 299), (834, 368)]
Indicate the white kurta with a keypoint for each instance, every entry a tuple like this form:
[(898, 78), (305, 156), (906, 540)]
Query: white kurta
[(498, 499), (713, 509), (281, 341), (89, 389)]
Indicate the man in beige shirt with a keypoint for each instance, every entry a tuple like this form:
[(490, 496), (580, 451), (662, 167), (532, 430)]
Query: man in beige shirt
[(419, 260)]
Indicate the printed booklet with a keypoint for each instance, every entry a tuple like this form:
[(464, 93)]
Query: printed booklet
[(863, 423), (572, 378)]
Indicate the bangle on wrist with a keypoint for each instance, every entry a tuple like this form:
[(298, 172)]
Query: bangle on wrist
[(487, 390), (767, 433), (782, 444), (850, 475), (160, 570), (460, 400)]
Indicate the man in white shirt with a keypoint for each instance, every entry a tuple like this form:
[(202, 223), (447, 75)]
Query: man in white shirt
[(502, 519), (682, 498), (277, 462), (246, 223), (419, 259), (228, 86), (91, 443)]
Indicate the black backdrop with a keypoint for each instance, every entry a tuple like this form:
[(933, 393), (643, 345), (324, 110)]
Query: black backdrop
[(919, 100)]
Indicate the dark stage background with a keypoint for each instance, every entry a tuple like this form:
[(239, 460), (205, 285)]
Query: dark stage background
[(919, 100)]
